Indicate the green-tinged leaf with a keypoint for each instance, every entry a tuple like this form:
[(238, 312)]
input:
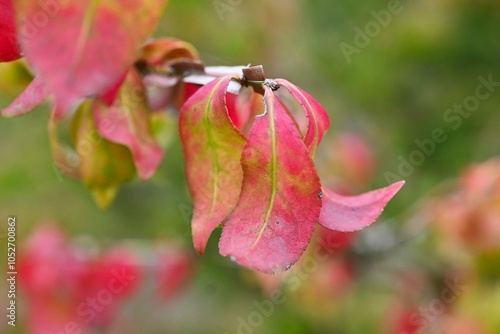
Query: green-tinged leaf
[(14, 78), (66, 160), (104, 165), (164, 127), (212, 150)]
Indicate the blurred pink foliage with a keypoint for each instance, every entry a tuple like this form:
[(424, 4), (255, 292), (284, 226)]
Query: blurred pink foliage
[(352, 161), (398, 319), (174, 269), (67, 289), (469, 216)]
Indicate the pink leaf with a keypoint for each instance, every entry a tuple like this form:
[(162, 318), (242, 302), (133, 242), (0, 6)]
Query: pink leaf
[(84, 46), (353, 213), (279, 204), (318, 120), (127, 122), (34, 95), (212, 149)]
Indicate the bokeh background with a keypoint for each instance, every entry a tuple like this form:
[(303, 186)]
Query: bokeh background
[(430, 264)]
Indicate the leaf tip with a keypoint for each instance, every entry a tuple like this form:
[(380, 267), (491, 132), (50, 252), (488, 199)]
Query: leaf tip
[(199, 247), (354, 213), (146, 166), (104, 196), (396, 186), (200, 236)]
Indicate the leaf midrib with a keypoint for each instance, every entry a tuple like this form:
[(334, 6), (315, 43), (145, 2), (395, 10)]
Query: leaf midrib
[(274, 179), (212, 148)]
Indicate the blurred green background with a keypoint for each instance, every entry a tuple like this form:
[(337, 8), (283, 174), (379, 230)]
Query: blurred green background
[(394, 91)]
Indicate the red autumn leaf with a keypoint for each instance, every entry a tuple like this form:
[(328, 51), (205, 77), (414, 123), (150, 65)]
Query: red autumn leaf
[(34, 95), (9, 47), (318, 120), (353, 213), (85, 46), (212, 149), (127, 122), (279, 204)]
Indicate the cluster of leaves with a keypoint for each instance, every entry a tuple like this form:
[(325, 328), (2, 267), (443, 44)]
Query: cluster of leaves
[(249, 164), (256, 174), (84, 57)]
